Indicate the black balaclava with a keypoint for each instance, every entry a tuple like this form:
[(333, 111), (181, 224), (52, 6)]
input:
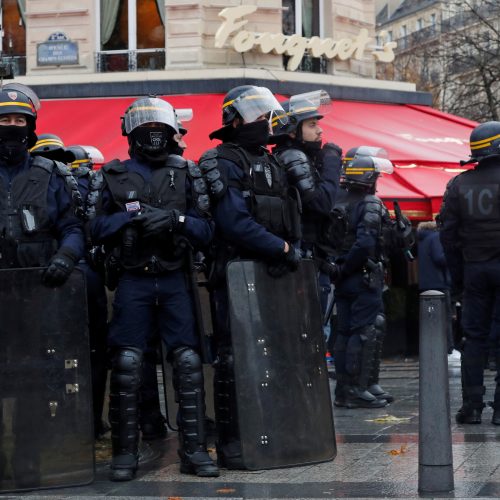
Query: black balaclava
[(150, 144), (252, 135), (14, 143)]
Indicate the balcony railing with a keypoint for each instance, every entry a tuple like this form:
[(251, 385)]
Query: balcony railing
[(130, 60), (17, 64)]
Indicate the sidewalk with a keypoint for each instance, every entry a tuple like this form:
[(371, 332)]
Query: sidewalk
[(377, 458)]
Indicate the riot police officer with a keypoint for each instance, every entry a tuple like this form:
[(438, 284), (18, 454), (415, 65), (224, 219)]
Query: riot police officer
[(359, 281), (34, 221), (314, 169), (252, 215), (50, 146), (152, 209), (470, 233)]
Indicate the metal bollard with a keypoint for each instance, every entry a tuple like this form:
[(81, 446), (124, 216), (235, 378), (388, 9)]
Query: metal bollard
[(435, 458)]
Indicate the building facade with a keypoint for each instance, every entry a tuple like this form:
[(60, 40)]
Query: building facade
[(94, 42)]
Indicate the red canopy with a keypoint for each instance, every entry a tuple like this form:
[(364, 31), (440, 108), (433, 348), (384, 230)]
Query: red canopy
[(428, 141)]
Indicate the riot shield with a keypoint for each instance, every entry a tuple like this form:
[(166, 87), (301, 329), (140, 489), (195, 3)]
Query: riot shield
[(283, 395), (46, 437)]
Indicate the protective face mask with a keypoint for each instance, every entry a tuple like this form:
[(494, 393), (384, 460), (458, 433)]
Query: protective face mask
[(150, 139), (253, 134), (13, 143)]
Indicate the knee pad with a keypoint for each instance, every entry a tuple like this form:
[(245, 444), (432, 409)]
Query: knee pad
[(126, 367), (380, 325), (188, 369)]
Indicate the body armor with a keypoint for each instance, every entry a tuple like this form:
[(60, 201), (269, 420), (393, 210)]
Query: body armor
[(167, 191), (27, 239), (263, 185), (479, 205)]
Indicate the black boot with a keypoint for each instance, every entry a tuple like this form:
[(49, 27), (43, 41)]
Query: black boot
[(472, 406), (373, 379), (468, 415), (190, 394), (123, 412), (358, 397), (226, 417)]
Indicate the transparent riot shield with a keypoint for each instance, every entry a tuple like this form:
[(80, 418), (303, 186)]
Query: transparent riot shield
[(46, 437), (283, 395)]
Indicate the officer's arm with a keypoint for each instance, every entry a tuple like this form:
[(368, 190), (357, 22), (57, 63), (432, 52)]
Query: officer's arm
[(449, 222), (327, 185), (196, 226), (368, 217), (437, 252), (68, 227), (108, 220)]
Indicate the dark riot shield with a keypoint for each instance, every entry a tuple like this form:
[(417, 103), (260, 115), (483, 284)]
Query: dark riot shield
[(46, 437), (283, 395)]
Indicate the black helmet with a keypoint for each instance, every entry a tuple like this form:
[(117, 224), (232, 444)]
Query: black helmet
[(149, 110), (50, 146), (20, 99), (485, 141), (298, 108), (362, 165), (229, 112), (79, 157)]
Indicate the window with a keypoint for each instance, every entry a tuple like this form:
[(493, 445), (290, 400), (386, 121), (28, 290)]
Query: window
[(304, 18), (13, 41), (433, 19), (403, 31), (389, 36), (132, 35), (420, 24)]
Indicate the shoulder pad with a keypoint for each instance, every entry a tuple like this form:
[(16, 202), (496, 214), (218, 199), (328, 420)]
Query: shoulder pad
[(291, 156), (114, 166), (176, 161), (62, 169), (209, 167), (45, 163), (209, 154), (96, 179), (373, 211), (193, 169)]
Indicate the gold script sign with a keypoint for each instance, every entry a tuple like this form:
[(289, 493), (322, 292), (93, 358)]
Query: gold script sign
[(294, 46)]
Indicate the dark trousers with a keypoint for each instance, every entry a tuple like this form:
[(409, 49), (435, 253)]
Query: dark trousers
[(481, 295)]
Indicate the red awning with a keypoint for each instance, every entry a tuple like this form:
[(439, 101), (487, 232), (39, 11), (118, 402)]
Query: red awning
[(415, 136)]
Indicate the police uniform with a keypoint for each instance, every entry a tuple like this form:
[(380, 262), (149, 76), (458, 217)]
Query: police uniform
[(152, 209), (313, 169), (254, 219), (359, 284), (470, 233)]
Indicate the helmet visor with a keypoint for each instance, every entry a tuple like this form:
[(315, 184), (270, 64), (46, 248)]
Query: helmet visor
[(256, 102), (382, 165), (372, 151), (315, 102), (151, 110)]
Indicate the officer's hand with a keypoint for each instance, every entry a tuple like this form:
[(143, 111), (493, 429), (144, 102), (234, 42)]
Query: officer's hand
[(60, 268), (156, 221), (333, 270), (292, 257)]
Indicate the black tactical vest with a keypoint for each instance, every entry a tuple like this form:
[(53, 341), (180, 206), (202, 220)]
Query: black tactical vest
[(26, 237), (479, 198), (264, 186), (166, 190), (347, 201)]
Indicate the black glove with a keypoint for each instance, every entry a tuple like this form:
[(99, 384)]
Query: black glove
[(292, 257), (60, 267), (334, 271), (156, 220)]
